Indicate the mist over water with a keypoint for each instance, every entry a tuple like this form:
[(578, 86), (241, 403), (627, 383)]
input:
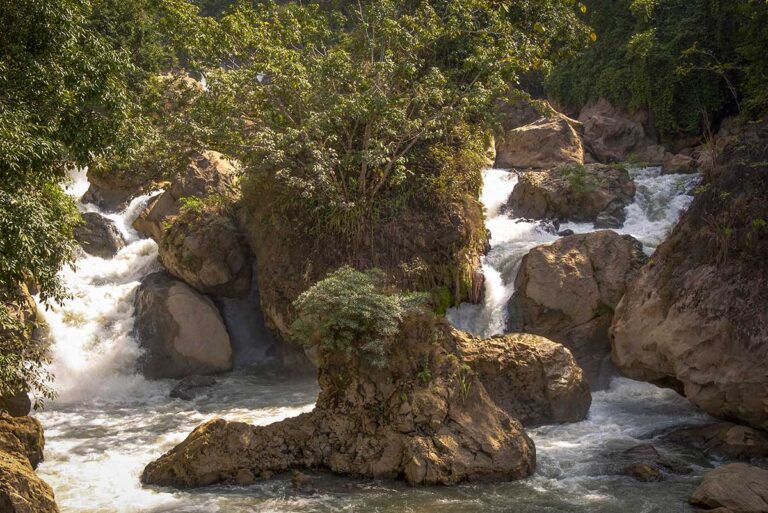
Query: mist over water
[(109, 422)]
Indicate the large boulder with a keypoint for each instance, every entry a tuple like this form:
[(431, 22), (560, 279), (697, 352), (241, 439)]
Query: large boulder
[(99, 236), (696, 318), (21, 449), (207, 174), (734, 488), (544, 143), (567, 291), (724, 440), (180, 330), (611, 135), (531, 378), (425, 417), (576, 193), (207, 251), (519, 111)]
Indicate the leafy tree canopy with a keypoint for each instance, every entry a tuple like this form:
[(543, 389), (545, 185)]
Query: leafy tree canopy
[(338, 106), (63, 100), (683, 60)]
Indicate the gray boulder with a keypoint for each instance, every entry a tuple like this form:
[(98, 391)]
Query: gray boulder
[(99, 236)]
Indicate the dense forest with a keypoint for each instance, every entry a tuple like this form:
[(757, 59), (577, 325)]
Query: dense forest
[(334, 159)]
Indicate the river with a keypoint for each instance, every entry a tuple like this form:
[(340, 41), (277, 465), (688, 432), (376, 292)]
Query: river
[(108, 422)]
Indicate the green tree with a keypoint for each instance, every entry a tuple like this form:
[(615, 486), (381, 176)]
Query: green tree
[(340, 110), (685, 61), (63, 100)]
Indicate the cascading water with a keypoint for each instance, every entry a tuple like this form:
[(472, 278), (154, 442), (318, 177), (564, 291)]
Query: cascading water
[(108, 421)]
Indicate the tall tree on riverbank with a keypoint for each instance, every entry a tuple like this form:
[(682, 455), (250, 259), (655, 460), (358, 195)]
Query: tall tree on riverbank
[(63, 99)]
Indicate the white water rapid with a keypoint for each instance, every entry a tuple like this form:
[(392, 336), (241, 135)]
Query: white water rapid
[(108, 421)]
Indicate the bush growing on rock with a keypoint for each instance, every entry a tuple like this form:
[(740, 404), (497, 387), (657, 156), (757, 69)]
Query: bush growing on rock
[(351, 311)]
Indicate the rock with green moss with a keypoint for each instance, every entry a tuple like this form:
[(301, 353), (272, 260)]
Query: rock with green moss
[(573, 192)]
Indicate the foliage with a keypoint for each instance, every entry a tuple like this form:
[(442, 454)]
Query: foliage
[(350, 311), (580, 180), (63, 100), (22, 359), (338, 109), (162, 40), (680, 59)]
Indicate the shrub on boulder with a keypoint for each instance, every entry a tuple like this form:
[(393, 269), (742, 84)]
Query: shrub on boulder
[(397, 400), (576, 193)]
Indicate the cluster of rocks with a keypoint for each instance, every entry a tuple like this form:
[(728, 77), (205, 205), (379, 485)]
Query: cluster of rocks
[(448, 408), (539, 137), (568, 167), (568, 291)]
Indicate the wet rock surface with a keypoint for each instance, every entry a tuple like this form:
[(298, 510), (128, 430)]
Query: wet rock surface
[(567, 291), (99, 236), (724, 440), (191, 386)]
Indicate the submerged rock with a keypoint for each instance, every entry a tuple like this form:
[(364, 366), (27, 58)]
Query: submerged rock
[(207, 251), (427, 417), (644, 473), (99, 236), (567, 291), (724, 439), (736, 488), (180, 330), (544, 143), (572, 193), (189, 387), (21, 450), (695, 319)]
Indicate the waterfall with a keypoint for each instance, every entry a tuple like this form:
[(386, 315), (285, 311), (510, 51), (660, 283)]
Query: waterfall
[(93, 350), (659, 201)]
